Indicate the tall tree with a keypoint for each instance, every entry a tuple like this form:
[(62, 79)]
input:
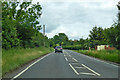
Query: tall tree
[(118, 26), (97, 36), (97, 33), (113, 33), (63, 39), (60, 39), (19, 25), (9, 32), (118, 12)]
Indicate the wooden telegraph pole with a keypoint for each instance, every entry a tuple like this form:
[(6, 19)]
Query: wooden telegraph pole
[(44, 35)]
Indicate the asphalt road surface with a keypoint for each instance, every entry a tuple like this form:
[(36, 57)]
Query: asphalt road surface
[(69, 64)]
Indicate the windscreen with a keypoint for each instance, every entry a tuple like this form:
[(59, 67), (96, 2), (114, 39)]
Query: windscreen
[(58, 47)]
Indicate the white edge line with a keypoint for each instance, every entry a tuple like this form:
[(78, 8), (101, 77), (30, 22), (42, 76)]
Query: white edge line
[(66, 59), (105, 62), (97, 59), (29, 67), (91, 70), (75, 59), (73, 69)]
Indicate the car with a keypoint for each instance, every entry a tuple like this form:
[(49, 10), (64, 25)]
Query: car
[(58, 49)]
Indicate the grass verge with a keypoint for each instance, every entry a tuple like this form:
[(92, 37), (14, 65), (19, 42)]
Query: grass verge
[(14, 58), (108, 55)]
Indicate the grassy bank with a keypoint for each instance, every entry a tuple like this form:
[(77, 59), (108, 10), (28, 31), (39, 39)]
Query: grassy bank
[(14, 58), (108, 55)]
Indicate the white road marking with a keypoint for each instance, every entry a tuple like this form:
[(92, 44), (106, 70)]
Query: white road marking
[(79, 67), (64, 55), (91, 70), (73, 69), (74, 59), (98, 60), (87, 73), (29, 67), (66, 58), (70, 55), (105, 62)]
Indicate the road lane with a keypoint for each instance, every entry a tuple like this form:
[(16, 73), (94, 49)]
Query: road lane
[(53, 66), (70, 64), (105, 69)]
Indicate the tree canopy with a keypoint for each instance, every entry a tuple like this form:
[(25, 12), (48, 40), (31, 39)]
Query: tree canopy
[(20, 25)]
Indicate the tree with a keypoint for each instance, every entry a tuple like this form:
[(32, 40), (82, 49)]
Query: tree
[(118, 6), (63, 39), (21, 26), (51, 42), (118, 27), (28, 22), (9, 32), (113, 33), (97, 36), (60, 39), (56, 39), (97, 33)]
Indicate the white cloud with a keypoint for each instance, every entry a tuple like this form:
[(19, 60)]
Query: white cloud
[(77, 18), (73, 31)]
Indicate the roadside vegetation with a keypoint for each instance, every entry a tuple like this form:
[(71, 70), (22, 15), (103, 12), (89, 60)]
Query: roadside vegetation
[(22, 40), (14, 58), (108, 55), (20, 26), (98, 36)]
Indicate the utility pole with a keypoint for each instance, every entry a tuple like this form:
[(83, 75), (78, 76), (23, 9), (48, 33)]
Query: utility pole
[(44, 30), (82, 43), (44, 35)]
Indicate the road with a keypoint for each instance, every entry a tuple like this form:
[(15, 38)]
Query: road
[(69, 64)]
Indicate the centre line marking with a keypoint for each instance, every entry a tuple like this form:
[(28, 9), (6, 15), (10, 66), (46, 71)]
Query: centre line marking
[(66, 59), (74, 59), (91, 70), (73, 69)]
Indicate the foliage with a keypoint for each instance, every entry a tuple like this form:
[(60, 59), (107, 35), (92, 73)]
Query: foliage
[(21, 29), (16, 57), (103, 54), (113, 35), (73, 47), (97, 37), (20, 26), (60, 39), (118, 6)]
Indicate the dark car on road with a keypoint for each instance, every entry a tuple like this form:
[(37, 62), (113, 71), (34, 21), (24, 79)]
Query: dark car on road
[(58, 49)]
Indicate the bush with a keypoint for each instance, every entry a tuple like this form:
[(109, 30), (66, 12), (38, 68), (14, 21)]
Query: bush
[(16, 57), (109, 55), (74, 47)]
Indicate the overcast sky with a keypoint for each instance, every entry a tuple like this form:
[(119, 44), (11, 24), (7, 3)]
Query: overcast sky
[(77, 18)]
